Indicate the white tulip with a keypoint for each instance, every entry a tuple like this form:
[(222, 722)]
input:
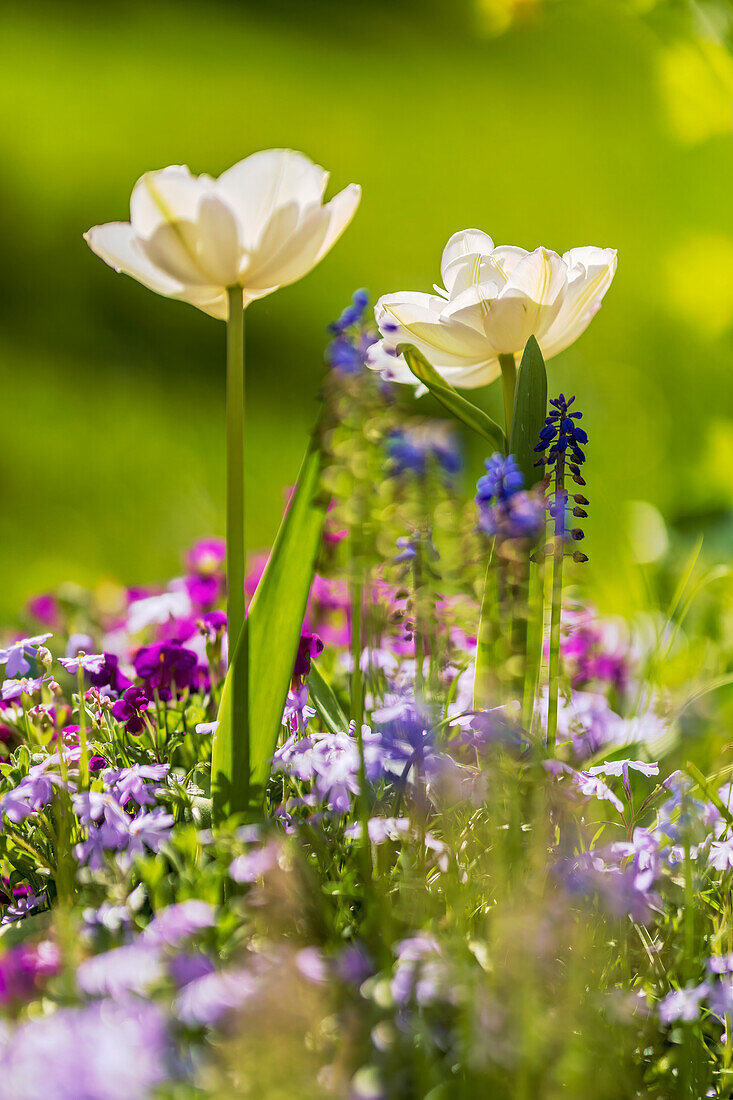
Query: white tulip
[(494, 299), (261, 225)]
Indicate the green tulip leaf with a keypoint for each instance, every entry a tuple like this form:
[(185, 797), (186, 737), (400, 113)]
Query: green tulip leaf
[(450, 399), (322, 696), (530, 410), (274, 624)]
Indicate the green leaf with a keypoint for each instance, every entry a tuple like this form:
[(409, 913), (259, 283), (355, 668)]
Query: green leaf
[(323, 699), (530, 410), (450, 399), (274, 624), (710, 793)]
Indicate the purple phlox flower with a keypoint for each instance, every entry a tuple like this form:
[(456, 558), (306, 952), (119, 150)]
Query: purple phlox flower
[(309, 647), (129, 709), (19, 658), (77, 642), (683, 1004), (135, 783), (204, 728), (331, 761), (22, 905), (584, 783), (255, 864), (172, 926), (380, 829), (13, 689), (133, 968), (189, 966), (721, 855), (588, 722), (97, 763), (622, 891), (312, 964), (150, 829), (102, 1051), (164, 665), (106, 823), (206, 1001), (32, 794), (23, 967), (112, 917), (487, 729), (156, 610), (622, 767), (420, 972), (89, 662), (720, 964), (354, 965), (297, 714), (721, 996)]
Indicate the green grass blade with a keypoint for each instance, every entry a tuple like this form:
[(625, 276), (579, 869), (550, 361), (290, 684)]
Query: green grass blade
[(530, 410), (274, 623), (450, 399), (322, 696)]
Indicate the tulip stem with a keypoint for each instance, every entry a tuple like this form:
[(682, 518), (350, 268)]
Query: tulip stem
[(236, 621), (508, 366)]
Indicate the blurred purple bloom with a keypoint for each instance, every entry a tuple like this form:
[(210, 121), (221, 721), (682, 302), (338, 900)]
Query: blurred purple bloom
[(172, 926), (101, 1052), (189, 966), (683, 1004), (253, 865), (206, 1001), (23, 966), (132, 968)]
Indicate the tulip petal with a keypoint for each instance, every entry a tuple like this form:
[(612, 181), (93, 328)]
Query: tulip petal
[(467, 242), (417, 318), (218, 246), (167, 195), (591, 272), (300, 252), (173, 247), (116, 244), (258, 185)]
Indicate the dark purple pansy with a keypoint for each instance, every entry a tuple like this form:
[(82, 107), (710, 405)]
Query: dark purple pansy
[(309, 646), (129, 709), (165, 665), (110, 676)]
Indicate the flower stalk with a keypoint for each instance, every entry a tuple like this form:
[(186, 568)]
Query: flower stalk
[(236, 615), (508, 366)]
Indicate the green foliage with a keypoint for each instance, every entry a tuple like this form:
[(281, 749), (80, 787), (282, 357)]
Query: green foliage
[(530, 409), (274, 623), (468, 414)]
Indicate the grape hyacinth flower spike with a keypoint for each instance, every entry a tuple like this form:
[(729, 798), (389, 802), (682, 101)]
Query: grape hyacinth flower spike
[(561, 443)]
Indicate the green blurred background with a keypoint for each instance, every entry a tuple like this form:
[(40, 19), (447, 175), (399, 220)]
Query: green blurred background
[(562, 123)]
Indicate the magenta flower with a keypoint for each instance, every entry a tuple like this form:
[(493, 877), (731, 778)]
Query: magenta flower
[(129, 709), (166, 665), (309, 646)]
